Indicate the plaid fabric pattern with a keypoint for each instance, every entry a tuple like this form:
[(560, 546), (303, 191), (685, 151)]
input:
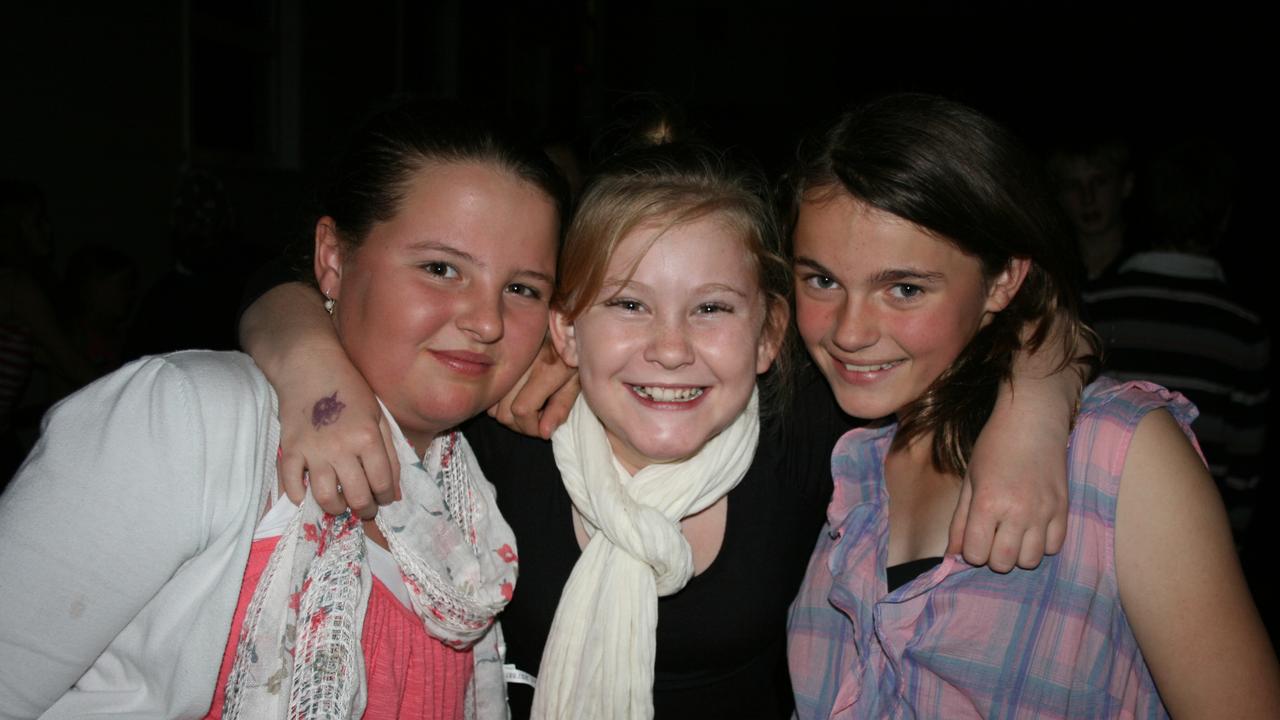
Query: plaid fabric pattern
[(962, 641)]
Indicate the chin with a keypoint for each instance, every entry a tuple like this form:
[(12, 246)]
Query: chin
[(865, 408)]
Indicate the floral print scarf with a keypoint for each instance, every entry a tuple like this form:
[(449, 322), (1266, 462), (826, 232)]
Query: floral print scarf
[(299, 654)]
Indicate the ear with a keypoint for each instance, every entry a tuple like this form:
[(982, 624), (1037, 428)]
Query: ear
[(1002, 289), (328, 258), (771, 336), (563, 338)]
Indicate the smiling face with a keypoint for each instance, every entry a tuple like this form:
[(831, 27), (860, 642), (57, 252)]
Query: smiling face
[(443, 306), (884, 307), (669, 349)]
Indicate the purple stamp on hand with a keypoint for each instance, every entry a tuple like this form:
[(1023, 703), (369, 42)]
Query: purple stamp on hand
[(326, 410)]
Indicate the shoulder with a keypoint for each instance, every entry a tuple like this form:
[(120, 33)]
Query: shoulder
[(164, 414), (1110, 405), (508, 458), (857, 468), (197, 370), (1110, 414), (206, 370), (797, 443), (209, 387)]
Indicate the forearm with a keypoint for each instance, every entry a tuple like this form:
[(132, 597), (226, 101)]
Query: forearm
[(331, 432), (1018, 467), (288, 326), (1046, 380)]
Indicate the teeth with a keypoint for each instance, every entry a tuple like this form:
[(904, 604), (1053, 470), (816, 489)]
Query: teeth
[(868, 368), (662, 394)]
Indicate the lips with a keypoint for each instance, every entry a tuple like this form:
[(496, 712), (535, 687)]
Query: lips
[(464, 362), (870, 367), (865, 372)]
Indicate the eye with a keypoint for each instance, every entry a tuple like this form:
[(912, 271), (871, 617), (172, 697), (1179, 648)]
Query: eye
[(523, 290), (441, 269), (625, 304), (820, 282), (906, 291), (709, 308)]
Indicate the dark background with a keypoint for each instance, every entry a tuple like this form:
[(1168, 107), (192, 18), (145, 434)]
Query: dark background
[(105, 103)]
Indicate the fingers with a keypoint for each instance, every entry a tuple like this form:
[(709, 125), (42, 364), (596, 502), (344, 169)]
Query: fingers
[(367, 473), (1031, 551), (539, 403), (988, 537), (353, 488), (393, 462), (503, 411), (530, 395), (324, 488), (1005, 547), (955, 535), (290, 467), (979, 534), (1056, 534), (558, 407)]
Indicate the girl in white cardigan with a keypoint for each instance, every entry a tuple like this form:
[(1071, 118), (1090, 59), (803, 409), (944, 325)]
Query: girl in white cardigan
[(135, 531)]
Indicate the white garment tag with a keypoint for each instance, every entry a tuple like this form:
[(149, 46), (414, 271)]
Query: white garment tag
[(513, 674)]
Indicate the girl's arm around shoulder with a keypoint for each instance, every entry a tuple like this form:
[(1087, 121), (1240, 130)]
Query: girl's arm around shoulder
[(1181, 585), (1013, 504), (330, 424)]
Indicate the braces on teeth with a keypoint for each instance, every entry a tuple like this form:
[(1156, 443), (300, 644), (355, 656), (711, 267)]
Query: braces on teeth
[(660, 394)]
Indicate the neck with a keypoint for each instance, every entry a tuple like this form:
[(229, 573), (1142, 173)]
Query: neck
[(1101, 249), (916, 456), (922, 500), (420, 439)]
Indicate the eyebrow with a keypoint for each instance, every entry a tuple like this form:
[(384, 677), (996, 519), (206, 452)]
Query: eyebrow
[(549, 280), (472, 259), (620, 285), (884, 276), (448, 250), (722, 288), (812, 265), (907, 273)]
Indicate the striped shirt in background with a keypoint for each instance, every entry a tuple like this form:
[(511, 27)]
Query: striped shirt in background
[(962, 641), (1171, 318), (17, 357)]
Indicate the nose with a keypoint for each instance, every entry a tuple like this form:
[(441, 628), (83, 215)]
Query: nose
[(856, 327), (669, 345), (481, 316)]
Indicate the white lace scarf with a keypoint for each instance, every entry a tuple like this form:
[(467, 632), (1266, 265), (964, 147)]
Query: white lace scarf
[(599, 657), (299, 653)]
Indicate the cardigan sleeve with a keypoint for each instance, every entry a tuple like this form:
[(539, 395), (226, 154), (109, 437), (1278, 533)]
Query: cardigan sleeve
[(107, 508)]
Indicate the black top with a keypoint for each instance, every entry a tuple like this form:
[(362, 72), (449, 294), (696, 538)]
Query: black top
[(898, 575), (721, 641)]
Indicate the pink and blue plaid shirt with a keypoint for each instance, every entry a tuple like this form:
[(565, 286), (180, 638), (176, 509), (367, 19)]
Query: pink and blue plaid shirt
[(962, 641)]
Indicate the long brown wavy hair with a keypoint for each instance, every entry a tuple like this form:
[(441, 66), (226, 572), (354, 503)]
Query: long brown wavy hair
[(964, 179)]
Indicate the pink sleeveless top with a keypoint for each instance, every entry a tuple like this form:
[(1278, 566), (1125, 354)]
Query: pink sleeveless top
[(408, 673)]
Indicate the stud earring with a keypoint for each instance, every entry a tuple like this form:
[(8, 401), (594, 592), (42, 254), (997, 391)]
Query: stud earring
[(329, 303)]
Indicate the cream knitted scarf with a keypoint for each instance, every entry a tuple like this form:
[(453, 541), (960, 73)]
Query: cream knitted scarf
[(598, 661), (299, 653)]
